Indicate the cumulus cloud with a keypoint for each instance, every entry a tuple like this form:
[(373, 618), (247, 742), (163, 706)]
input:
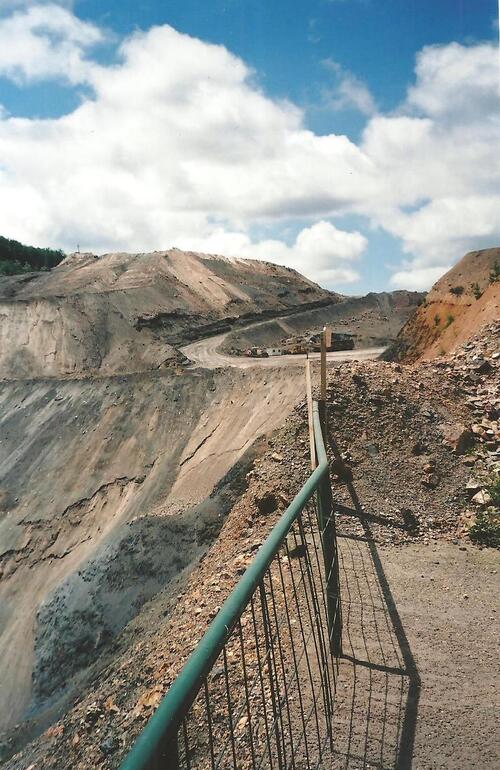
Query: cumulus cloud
[(441, 69), (46, 41), (440, 163), (176, 141), (177, 145), (417, 278), (321, 251)]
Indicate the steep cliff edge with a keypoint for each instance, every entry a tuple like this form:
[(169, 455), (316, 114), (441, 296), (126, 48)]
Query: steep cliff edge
[(109, 486)]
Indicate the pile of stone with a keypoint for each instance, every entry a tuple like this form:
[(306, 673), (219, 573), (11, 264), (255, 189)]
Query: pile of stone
[(422, 441), (475, 370)]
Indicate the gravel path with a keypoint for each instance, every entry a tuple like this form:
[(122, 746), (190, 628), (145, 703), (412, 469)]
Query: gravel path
[(206, 353), (416, 686)]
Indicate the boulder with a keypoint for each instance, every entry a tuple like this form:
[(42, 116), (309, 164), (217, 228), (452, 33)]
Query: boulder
[(481, 498), (458, 437)]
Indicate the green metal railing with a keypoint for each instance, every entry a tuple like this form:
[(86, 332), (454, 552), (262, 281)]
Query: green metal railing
[(258, 690)]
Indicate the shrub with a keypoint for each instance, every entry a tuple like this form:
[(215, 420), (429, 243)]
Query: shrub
[(486, 529), (449, 320), (495, 272), (476, 290), (13, 267), (494, 492), (437, 320), (457, 290)]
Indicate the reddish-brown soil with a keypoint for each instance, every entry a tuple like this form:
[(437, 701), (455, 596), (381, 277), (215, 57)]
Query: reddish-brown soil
[(460, 303)]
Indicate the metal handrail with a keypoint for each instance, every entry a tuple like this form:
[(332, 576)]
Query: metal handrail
[(159, 735)]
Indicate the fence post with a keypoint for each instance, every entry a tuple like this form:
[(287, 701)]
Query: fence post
[(312, 446), (322, 397), (330, 559), (327, 526)]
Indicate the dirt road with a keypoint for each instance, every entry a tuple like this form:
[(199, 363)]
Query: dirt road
[(206, 353)]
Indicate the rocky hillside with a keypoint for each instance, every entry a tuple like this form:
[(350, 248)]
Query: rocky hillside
[(374, 321), (123, 313), (464, 299)]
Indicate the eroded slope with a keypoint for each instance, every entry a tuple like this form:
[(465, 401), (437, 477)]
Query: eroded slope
[(80, 462), (463, 300), (123, 313), (373, 320)]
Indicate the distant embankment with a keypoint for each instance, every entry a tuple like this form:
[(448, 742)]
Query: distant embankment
[(374, 320), (466, 298), (125, 313)]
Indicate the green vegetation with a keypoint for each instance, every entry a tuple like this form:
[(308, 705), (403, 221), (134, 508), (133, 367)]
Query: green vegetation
[(495, 272), (457, 290), (494, 492), (449, 320), (486, 528), (437, 320), (476, 290), (13, 267), (15, 258)]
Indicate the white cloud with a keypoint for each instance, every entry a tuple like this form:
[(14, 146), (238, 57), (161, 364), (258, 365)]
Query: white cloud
[(445, 228), (176, 138), (440, 163), (178, 146), (418, 279), (446, 76), (320, 251), (46, 41), (349, 90)]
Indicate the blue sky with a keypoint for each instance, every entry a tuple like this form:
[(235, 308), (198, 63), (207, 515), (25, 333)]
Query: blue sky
[(346, 67), (287, 42)]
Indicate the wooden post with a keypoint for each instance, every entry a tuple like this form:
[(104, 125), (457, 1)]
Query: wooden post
[(322, 402), (312, 446), (323, 366)]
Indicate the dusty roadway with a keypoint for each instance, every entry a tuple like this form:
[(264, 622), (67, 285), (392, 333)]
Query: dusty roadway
[(206, 353)]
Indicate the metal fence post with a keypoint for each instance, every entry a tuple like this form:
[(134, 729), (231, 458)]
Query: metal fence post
[(330, 558), (322, 397)]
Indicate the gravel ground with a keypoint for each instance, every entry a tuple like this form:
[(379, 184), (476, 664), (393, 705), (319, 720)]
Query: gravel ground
[(416, 687)]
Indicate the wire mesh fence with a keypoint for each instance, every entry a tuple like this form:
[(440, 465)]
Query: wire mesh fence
[(258, 690), (268, 700)]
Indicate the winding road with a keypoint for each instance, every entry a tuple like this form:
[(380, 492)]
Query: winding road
[(206, 353)]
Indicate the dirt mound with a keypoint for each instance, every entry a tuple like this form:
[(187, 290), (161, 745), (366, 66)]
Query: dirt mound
[(123, 313), (414, 436), (463, 300)]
